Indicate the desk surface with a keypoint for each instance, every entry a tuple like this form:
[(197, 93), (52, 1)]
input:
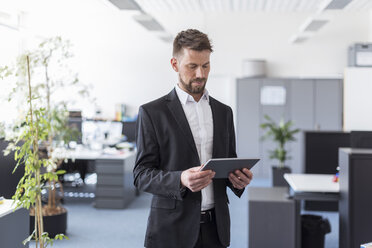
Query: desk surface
[(7, 207), (93, 155), (312, 183)]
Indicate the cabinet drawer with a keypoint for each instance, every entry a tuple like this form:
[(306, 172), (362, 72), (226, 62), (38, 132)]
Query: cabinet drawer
[(110, 180)]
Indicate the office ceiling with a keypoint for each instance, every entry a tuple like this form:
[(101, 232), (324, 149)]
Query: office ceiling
[(319, 12), (270, 6)]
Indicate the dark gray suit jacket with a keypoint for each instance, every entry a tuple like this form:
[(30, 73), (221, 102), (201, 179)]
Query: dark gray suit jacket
[(165, 147)]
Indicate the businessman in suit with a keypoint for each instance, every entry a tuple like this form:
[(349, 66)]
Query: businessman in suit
[(176, 134)]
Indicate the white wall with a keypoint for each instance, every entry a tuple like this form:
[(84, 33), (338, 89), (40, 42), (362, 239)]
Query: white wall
[(357, 99), (370, 26), (124, 62), (127, 64), (239, 36)]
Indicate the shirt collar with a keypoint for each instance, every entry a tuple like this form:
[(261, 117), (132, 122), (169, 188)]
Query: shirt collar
[(186, 97)]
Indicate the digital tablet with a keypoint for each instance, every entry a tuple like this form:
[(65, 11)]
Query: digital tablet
[(223, 166)]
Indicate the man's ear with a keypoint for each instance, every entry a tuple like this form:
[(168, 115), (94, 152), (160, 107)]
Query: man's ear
[(174, 64)]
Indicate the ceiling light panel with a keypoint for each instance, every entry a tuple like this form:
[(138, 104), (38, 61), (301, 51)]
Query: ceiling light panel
[(300, 40), (359, 5), (338, 4), (148, 22), (126, 4), (315, 25), (176, 6), (145, 5), (154, 6), (296, 39), (166, 38)]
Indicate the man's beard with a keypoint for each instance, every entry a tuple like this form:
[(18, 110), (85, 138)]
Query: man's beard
[(196, 89)]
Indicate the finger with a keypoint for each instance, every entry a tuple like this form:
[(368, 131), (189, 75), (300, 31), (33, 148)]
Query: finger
[(235, 181), (237, 186), (242, 177), (201, 181), (201, 174), (196, 168), (248, 173), (199, 187)]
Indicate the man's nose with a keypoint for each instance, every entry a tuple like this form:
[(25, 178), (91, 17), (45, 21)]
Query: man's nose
[(199, 72)]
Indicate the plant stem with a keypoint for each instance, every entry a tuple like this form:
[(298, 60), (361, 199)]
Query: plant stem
[(35, 132), (52, 183)]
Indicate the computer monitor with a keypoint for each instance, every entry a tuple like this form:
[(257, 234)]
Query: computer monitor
[(361, 139), (129, 130), (100, 131), (76, 124)]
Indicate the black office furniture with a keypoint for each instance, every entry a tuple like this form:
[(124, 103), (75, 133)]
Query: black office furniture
[(321, 157), (13, 226), (355, 203), (361, 139), (8, 180), (272, 218), (115, 187), (129, 130)]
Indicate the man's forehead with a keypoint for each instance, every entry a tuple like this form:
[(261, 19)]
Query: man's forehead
[(189, 54)]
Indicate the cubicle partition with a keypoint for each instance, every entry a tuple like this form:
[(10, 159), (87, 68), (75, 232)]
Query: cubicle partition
[(355, 197), (321, 157)]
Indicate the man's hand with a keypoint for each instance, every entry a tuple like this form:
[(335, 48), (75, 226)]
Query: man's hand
[(196, 180), (240, 178)]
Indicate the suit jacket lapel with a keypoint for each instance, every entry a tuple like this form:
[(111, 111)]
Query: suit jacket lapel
[(176, 109), (217, 126)]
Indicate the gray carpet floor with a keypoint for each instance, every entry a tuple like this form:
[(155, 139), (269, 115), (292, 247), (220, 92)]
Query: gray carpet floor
[(89, 227)]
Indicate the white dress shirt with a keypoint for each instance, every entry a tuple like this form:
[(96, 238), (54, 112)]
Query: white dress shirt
[(199, 116)]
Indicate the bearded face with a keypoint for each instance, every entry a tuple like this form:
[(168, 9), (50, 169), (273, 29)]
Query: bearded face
[(194, 86), (193, 68)]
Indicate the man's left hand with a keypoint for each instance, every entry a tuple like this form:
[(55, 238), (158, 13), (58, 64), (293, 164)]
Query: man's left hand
[(240, 178)]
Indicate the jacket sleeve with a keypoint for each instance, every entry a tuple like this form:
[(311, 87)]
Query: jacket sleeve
[(148, 174), (232, 151)]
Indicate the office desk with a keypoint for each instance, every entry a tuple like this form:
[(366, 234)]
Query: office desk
[(310, 187), (14, 225), (313, 187), (114, 187)]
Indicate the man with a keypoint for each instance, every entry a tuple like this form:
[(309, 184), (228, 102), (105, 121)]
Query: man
[(176, 134)]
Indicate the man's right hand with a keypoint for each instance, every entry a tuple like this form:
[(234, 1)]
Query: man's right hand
[(196, 180)]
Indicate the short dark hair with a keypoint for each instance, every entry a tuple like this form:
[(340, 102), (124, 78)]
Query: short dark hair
[(192, 39)]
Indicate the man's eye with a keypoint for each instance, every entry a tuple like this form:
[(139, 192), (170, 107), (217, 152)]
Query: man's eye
[(192, 66), (205, 66)]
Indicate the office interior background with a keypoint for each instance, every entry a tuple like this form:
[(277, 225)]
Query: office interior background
[(310, 60)]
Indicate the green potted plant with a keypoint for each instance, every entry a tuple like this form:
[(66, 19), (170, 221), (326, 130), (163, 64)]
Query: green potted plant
[(25, 142), (281, 133), (42, 131)]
